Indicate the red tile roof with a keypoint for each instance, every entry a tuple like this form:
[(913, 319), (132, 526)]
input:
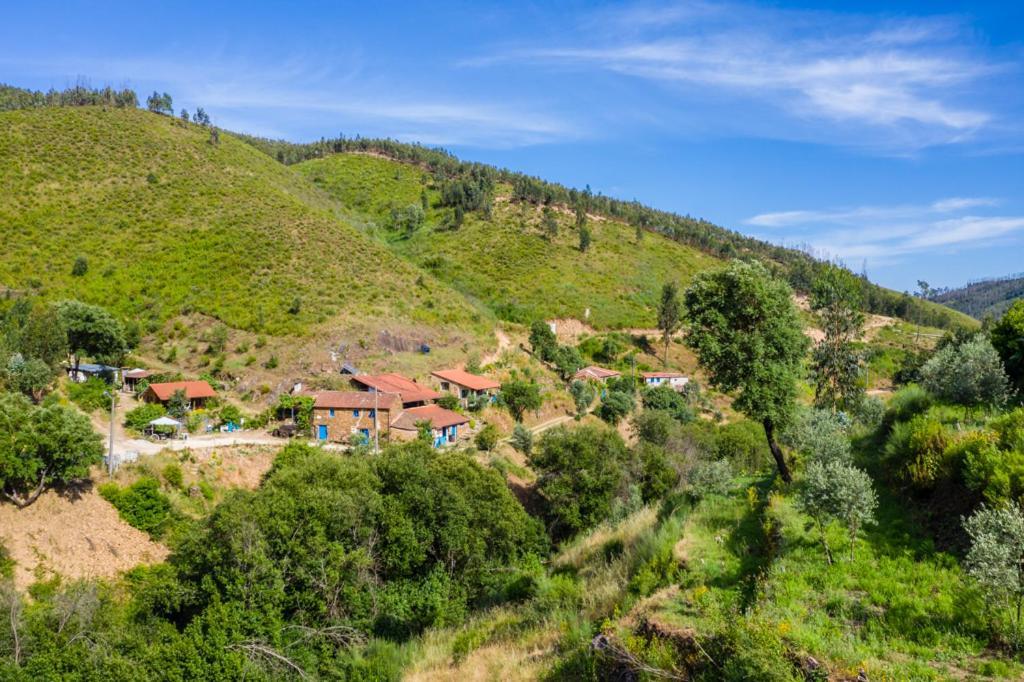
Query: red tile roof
[(353, 400), (595, 372), (407, 389), (193, 390), (465, 379), (438, 417), (663, 375)]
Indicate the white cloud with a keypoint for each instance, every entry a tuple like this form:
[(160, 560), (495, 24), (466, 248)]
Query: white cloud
[(887, 233), (908, 80)]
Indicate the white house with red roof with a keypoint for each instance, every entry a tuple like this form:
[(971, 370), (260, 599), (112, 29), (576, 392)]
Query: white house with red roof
[(674, 379)]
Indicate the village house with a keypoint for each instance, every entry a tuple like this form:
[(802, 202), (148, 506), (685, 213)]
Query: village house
[(196, 392), (444, 424), (464, 385), (340, 415), (408, 391), (595, 373), (674, 379)]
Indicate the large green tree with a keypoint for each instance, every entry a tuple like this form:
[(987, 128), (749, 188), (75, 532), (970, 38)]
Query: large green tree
[(579, 473), (519, 397), (747, 334), (42, 446), (1008, 339), (91, 332), (836, 297), (669, 314)]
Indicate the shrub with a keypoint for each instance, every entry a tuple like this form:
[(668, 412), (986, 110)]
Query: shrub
[(615, 406), (710, 478), (141, 505), (448, 401), (657, 476), (580, 472), (89, 395), (174, 476), (138, 418), (818, 435), (652, 426), (970, 374), (583, 395), (669, 400), (743, 445), (522, 439), (487, 438), (904, 405), (916, 451)]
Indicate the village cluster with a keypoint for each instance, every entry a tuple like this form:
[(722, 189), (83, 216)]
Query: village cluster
[(388, 406)]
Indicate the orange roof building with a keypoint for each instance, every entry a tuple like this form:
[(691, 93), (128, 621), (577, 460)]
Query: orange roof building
[(196, 392), (407, 390), (444, 424), (595, 373), (465, 385)]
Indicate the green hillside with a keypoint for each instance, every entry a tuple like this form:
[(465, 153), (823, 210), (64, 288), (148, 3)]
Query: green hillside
[(171, 222), (506, 260), (987, 298)]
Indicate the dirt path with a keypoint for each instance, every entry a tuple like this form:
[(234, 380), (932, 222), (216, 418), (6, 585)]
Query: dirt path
[(504, 343)]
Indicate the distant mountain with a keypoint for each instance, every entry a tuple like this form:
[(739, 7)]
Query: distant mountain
[(985, 298)]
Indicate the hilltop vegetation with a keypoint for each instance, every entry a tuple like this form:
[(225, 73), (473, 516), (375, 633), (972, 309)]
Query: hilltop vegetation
[(505, 257), (987, 298), (167, 222)]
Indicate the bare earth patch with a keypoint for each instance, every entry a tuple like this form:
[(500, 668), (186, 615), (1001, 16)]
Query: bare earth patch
[(80, 537)]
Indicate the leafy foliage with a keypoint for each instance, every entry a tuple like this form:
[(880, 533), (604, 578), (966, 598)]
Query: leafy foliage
[(970, 374), (1008, 339), (519, 397), (748, 337), (41, 447), (996, 557), (837, 491), (141, 505), (836, 362)]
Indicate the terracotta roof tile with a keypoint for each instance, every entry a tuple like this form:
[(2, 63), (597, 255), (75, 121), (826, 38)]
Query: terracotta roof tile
[(353, 400), (438, 417), (463, 378), (193, 389)]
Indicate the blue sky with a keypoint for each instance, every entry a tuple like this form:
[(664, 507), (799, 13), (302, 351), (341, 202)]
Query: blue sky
[(890, 133)]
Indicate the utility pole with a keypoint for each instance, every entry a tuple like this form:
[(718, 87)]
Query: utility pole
[(112, 394)]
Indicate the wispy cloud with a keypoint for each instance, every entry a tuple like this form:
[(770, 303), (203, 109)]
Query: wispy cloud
[(887, 233), (242, 91), (868, 80)]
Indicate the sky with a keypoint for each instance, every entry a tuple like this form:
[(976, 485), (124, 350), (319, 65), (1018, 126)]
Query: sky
[(888, 135)]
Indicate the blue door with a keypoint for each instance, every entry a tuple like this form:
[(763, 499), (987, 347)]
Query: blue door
[(322, 432)]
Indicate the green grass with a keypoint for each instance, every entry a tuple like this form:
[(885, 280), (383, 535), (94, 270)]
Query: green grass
[(170, 223), (505, 261), (899, 609)]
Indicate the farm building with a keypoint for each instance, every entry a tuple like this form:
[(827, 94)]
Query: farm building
[(444, 424), (408, 391), (196, 392), (340, 415), (673, 379), (87, 370), (132, 377), (595, 373), (464, 385)]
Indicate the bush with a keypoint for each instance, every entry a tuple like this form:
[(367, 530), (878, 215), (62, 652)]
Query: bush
[(743, 445), (138, 418), (88, 395), (141, 505), (580, 472), (970, 374), (615, 406), (448, 401), (904, 405), (818, 435), (657, 476), (174, 476), (652, 426), (487, 438), (670, 401), (522, 439), (711, 478), (916, 451)]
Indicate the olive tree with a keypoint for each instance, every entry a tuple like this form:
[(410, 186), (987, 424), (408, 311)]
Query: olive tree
[(968, 374), (835, 491), (42, 446), (747, 334), (996, 557), (818, 435)]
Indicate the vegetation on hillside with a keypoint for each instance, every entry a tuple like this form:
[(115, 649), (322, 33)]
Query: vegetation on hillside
[(985, 298)]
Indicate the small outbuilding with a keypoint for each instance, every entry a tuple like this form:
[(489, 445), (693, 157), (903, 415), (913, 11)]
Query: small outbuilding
[(444, 424), (464, 385), (196, 392), (87, 370), (131, 378), (595, 373)]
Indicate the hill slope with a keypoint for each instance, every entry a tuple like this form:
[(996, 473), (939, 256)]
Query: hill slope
[(505, 259), (991, 297), (171, 223)]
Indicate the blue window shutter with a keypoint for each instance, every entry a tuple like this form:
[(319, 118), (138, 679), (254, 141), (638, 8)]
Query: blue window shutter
[(332, 411), (355, 413)]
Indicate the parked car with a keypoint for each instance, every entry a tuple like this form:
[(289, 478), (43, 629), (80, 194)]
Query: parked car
[(286, 431)]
